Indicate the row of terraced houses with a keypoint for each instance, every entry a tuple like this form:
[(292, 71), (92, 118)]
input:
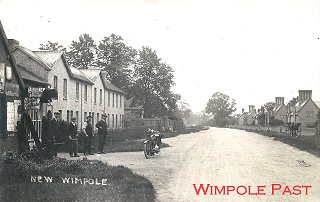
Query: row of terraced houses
[(81, 92), (304, 111)]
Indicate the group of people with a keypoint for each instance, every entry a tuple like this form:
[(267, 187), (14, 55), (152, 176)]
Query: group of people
[(86, 132)]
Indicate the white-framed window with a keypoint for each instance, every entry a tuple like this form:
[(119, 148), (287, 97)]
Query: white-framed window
[(101, 96), (85, 93), (55, 82), (95, 95), (65, 88), (77, 90)]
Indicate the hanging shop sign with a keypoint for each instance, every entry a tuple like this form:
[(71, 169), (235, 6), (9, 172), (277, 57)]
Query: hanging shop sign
[(35, 92)]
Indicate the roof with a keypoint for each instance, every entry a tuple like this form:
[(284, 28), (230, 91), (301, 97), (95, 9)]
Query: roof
[(34, 56), (91, 73), (317, 103), (278, 108), (243, 114), (77, 74), (11, 59), (50, 57), (27, 75)]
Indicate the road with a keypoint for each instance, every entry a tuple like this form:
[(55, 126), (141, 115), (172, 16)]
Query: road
[(226, 157)]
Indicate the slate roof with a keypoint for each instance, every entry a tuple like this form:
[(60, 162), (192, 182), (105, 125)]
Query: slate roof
[(93, 74), (77, 74), (34, 56), (27, 75), (50, 57)]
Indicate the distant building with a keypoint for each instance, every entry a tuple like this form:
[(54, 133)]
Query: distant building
[(243, 118), (305, 111), (280, 110), (251, 116)]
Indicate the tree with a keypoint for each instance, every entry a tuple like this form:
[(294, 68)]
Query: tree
[(221, 106), (269, 106), (182, 111), (82, 53), (153, 80), (117, 59), (52, 46)]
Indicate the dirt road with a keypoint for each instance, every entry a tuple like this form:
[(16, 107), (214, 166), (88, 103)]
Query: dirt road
[(226, 157)]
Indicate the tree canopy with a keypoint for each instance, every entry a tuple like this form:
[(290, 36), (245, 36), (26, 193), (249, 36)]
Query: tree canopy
[(153, 80), (221, 106), (51, 46), (82, 53), (117, 59)]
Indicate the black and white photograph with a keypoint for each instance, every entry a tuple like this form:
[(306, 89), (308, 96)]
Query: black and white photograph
[(159, 100)]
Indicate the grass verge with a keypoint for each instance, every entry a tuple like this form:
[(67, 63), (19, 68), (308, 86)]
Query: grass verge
[(304, 143), (121, 185), (130, 145)]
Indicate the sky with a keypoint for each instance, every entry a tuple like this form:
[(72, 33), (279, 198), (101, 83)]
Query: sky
[(251, 50)]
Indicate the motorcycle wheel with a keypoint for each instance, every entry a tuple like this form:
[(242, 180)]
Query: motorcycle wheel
[(147, 150)]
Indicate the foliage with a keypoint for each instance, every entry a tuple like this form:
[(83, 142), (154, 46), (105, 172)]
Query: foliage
[(275, 122), (293, 102), (117, 59), (153, 80), (220, 106), (82, 53), (269, 106), (52, 46)]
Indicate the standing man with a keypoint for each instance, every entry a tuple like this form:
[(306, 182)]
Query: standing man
[(88, 135), (73, 138), (54, 132), (102, 132)]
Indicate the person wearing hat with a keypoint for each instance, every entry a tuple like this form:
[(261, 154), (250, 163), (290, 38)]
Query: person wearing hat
[(102, 132), (87, 135), (54, 132), (73, 138)]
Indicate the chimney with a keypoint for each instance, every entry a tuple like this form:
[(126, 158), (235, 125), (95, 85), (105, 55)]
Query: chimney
[(242, 110), (279, 101), (304, 95), (13, 43), (251, 108)]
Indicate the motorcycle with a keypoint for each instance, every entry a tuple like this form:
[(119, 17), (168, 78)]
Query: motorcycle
[(151, 145)]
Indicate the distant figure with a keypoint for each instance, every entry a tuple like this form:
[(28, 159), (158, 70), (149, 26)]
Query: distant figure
[(88, 135), (73, 138), (102, 132)]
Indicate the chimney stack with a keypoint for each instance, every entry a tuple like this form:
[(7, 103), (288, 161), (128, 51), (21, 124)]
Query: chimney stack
[(304, 95), (251, 108), (242, 110), (279, 101)]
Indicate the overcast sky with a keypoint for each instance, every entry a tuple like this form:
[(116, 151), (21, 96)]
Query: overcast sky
[(250, 50)]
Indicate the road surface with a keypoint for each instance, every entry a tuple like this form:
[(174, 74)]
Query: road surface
[(226, 158)]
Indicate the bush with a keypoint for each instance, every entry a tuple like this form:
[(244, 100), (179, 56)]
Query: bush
[(276, 122)]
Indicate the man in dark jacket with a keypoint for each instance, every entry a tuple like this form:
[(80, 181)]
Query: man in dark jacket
[(73, 138), (102, 132), (54, 131), (87, 135)]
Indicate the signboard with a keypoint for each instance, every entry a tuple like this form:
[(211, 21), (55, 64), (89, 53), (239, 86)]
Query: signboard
[(12, 89), (10, 116), (35, 92)]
